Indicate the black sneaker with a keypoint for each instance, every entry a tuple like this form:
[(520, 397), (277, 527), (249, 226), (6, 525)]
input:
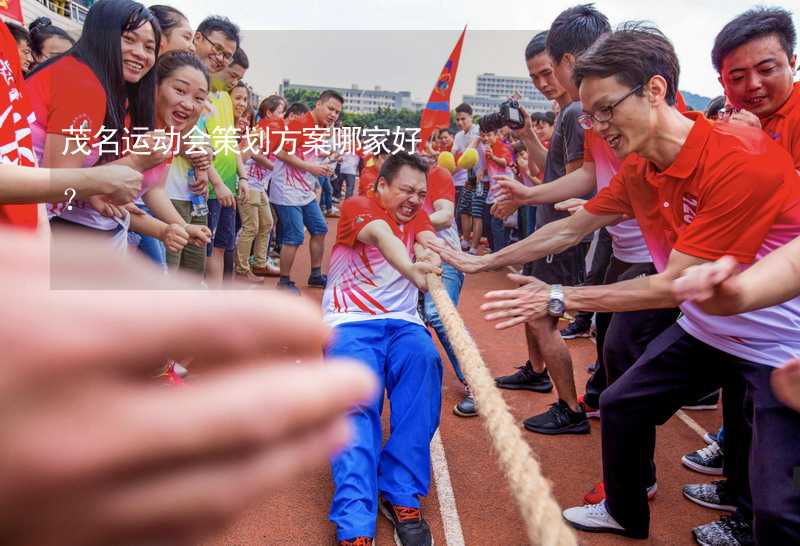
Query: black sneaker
[(559, 419), (409, 527), (525, 379), (711, 495), (708, 460), (705, 403), (728, 531), (593, 367), (317, 281), (288, 287), (576, 329), (466, 408)]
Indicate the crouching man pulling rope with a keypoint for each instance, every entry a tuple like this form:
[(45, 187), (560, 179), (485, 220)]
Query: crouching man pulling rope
[(371, 302)]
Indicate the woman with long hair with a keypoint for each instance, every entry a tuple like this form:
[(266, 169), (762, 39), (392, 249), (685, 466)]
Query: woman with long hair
[(86, 102), (176, 32)]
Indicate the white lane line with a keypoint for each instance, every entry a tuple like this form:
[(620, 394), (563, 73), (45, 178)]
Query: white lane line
[(691, 423), (453, 535)]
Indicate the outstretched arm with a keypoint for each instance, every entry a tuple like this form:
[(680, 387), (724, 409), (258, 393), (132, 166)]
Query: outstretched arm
[(718, 287), (378, 234), (553, 238), (530, 301)]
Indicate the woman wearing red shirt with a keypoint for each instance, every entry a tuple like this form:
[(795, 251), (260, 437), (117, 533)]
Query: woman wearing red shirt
[(105, 82)]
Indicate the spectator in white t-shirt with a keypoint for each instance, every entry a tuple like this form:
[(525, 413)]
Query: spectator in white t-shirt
[(467, 137), (348, 169)]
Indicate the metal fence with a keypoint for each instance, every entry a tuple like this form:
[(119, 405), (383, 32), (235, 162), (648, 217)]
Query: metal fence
[(68, 8)]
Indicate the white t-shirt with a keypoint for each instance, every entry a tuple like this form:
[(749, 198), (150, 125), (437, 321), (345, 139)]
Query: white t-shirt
[(349, 164), (290, 186), (627, 241), (362, 285), (460, 143), (178, 179)]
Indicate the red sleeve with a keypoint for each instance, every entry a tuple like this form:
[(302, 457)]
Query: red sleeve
[(612, 199), (272, 138), (356, 213), (735, 211), (587, 147), (440, 185), (78, 100), (421, 222), (503, 151)]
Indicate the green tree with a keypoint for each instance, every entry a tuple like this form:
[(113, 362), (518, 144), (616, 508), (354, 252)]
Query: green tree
[(306, 96)]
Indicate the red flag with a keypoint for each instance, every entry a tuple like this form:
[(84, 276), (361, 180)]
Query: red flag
[(436, 114), (11, 9)]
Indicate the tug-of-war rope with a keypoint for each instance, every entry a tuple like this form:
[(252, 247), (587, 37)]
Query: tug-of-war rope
[(533, 493)]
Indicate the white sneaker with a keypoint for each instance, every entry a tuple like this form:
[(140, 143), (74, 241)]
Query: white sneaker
[(593, 518)]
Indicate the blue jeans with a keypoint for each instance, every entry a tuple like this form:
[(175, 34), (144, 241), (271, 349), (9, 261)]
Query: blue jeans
[(326, 199), (453, 280), (222, 223), (151, 247), (499, 232), (407, 365), (294, 218)]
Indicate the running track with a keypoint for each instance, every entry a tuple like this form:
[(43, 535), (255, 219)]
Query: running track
[(470, 503)]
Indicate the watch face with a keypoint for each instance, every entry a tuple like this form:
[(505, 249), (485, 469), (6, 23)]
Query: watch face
[(555, 308)]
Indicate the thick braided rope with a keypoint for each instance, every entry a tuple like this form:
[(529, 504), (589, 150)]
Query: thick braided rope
[(530, 489)]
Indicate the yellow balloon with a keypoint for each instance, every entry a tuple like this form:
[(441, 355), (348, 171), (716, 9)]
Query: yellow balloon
[(447, 161), (468, 159)]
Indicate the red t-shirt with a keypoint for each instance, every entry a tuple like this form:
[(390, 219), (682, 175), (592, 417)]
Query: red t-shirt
[(362, 284), (366, 180), (501, 150), (721, 195), (784, 125), (67, 95), (440, 186), (16, 144), (731, 190), (69, 100), (290, 186), (272, 133)]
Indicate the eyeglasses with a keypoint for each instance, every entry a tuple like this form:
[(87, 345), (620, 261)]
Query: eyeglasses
[(603, 115), (218, 49), (727, 112)]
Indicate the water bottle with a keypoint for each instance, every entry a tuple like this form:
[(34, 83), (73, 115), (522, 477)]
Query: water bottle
[(199, 206)]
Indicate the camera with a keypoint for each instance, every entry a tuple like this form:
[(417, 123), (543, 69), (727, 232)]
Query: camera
[(508, 116)]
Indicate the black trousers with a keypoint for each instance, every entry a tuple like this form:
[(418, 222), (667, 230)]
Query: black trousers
[(597, 271), (676, 369), (623, 337)]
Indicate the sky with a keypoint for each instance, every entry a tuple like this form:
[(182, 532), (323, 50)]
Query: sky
[(402, 44)]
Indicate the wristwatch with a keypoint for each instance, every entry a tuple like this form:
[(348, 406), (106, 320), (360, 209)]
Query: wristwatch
[(555, 305)]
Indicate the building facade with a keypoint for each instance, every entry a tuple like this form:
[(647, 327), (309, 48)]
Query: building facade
[(360, 101), (66, 14), (492, 90)]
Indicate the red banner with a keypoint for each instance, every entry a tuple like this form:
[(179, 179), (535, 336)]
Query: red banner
[(11, 9), (436, 114)]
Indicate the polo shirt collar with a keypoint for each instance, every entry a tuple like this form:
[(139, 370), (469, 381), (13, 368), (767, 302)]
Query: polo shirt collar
[(791, 103), (689, 155)]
